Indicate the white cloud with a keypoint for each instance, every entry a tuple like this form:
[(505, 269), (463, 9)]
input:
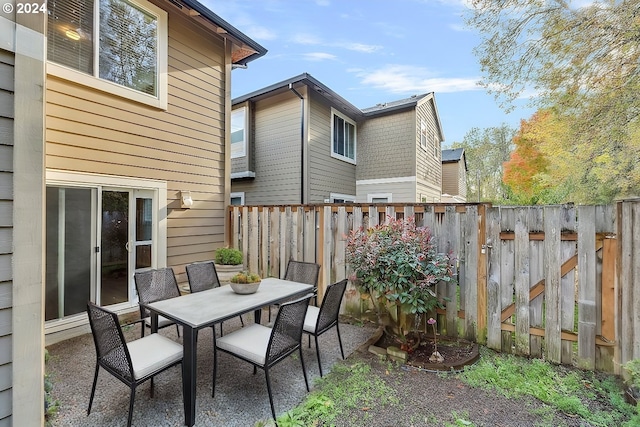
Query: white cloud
[(359, 47), (411, 79), (307, 39), (260, 33), (318, 56)]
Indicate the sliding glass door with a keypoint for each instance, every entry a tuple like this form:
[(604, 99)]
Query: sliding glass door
[(96, 239)]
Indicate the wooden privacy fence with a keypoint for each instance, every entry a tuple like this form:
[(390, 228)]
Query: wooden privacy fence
[(559, 282)]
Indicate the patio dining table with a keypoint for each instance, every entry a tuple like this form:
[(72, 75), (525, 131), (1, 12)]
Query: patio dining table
[(204, 309)]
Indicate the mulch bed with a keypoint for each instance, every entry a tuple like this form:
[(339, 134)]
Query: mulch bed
[(457, 353)]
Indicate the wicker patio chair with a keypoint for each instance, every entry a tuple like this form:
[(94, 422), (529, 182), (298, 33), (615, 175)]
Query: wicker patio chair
[(132, 363), (203, 276), (302, 272), (264, 347), (152, 286), (320, 320)]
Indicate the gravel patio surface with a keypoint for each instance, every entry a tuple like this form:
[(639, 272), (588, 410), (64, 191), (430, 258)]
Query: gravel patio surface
[(241, 397)]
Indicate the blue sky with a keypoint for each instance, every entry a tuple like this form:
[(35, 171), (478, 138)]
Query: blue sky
[(370, 52)]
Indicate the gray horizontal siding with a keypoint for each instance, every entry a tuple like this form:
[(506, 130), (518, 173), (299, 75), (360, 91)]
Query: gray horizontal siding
[(326, 174), (276, 142), (7, 87)]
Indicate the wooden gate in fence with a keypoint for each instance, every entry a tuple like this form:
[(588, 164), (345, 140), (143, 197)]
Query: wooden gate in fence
[(559, 282)]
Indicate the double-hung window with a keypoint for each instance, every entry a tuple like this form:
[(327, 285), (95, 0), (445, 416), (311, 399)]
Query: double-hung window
[(423, 134), (118, 46), (343, 135), (238, 133)]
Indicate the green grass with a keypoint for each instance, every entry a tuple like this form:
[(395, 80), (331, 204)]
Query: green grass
[(594, 399), (566, 390), (346, 387)]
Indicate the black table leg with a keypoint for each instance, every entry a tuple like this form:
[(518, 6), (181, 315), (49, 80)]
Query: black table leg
[(189, 375), (257, 316)]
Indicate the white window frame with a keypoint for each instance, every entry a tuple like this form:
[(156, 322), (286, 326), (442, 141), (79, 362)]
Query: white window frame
[(89, 180), (388, 196), (345, 197), (243, 152), (95, 82), (423, 134), (335, 155), (239, 195), (436, 148)]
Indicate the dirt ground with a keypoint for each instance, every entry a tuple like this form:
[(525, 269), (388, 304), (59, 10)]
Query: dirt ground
[(437, 399)]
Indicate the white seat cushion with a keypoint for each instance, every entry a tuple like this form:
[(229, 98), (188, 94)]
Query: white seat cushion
[(249, 342), (162, 321), (311, 319), (152, 353)]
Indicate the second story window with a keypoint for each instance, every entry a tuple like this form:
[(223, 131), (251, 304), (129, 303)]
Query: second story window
[(343, 131), (238, 133), (120, 45), (423, 134)]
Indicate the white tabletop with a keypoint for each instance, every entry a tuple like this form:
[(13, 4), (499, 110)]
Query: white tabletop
[(205, 308)]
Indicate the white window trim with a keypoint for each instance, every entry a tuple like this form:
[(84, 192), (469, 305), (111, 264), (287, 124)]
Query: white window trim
[(244, 147), (345, 197), (81, 179), (355, 142), (94, 82), (388, 196), (423, 134), (237, 194), (87, 179)]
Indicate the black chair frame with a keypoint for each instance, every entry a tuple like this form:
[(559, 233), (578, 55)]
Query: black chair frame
[(113, 355), (302, 272), (298, 310), (328, 316), (148, 292)]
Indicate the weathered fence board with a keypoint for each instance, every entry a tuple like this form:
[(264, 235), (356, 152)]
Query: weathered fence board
[(525, 273), (552, 279), (568, 282)]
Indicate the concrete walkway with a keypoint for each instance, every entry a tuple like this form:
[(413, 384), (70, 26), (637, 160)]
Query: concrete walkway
[(241, 397)]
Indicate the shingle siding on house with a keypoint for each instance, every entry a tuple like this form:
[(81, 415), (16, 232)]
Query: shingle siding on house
[(386, 146), (276, 125), (6, 228), (428, 160), (90, 131), (326, 174), (403, 191), (454, 173), (462, 180), (450, 178)]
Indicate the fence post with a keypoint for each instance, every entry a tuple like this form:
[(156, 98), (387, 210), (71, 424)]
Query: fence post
[(481, 273)]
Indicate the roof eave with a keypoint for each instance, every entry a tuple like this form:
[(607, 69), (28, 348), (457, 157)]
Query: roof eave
[(252, 49), (307, 79)]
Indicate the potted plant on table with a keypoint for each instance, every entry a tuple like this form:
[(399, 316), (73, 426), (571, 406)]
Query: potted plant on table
[(228, 261), (245, 282)]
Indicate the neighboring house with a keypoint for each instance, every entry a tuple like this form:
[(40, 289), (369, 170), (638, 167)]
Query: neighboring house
[(454, 176), (399, 152), (297, 141), (113, 157)]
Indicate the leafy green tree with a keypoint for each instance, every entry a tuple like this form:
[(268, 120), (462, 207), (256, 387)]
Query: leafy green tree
[(584, 62), (486, 150)]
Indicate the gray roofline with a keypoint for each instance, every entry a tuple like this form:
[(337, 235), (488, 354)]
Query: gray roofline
[(304, 78), (230, 29)]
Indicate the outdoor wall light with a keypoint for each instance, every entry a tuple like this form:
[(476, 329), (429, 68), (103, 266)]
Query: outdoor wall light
[(186, 199)]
